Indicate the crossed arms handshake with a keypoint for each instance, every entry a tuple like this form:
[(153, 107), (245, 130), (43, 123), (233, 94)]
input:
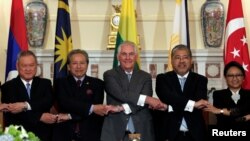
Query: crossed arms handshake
[(153, 103)]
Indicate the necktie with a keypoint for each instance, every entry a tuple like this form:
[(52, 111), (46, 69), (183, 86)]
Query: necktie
[(77, 128), (28, 89), (129, 76), (183, 122), (182, 82), (78, 83), (130, 125)]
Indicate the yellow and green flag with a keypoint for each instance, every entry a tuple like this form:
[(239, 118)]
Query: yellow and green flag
[(127, 29)]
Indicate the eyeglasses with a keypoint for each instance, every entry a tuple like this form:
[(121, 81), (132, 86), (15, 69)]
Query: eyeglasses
[(185, 57), (131, 54), (234, 75)]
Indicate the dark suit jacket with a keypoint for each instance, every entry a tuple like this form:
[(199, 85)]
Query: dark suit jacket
[(169, 91), (119, 91), (77, 102), (40, 102), (222, 99)]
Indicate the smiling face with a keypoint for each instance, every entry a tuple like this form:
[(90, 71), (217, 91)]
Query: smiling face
[(27, 67), (78, 65), (127, 57), (181, 61), (234, 78)]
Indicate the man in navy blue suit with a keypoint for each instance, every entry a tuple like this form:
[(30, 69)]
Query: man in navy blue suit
[(29, 98), (79, 99), (185, 92)]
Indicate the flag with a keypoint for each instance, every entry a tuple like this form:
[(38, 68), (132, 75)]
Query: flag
[(127, 30), (17, 38), (63, 39), (180, 33), (236, 48)]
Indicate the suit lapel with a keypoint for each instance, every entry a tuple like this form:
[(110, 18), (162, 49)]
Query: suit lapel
[(175, 81), (22, 89)]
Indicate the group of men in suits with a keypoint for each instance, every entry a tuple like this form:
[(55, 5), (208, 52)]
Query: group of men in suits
[(79, 99), (27, 100)]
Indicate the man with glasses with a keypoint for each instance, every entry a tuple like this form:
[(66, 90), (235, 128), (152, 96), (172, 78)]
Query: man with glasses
[(79, 101), (185, 93)]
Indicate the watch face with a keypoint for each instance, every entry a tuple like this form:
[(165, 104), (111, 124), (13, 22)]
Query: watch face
[(116, 20)]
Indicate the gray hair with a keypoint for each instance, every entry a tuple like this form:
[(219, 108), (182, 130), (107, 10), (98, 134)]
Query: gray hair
[(26, 53), (127, 43)]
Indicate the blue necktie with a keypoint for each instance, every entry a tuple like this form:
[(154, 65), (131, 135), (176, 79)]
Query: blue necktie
[(182, 82), (78, 83), (183, 122), (130, 125), (28, 89), (129, 76)]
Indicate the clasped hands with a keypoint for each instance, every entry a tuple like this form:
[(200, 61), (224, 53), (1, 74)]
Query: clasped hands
[(153, 103), (156, 104), (13, 107)]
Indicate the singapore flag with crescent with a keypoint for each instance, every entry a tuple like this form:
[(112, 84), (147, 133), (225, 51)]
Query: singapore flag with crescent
[(236, 47)]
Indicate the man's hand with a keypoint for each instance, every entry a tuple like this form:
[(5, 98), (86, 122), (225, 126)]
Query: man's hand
[(62, 117), (114, 109), (155, 103), (4, 107), (100, 109), (201, 104), (247, 117), (17, 107), (48, 118)]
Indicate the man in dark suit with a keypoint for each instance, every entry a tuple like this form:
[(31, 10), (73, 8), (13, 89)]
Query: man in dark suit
[(79, 98), (129, 90), (184, 119), (29, 108)]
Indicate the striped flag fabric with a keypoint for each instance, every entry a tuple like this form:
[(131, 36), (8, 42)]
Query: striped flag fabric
[(180, 33), (63, 39), (17, 38), (236, 48), (127, 30)]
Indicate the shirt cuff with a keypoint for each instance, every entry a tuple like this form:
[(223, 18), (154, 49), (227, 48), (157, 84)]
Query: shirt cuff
[(190, 106), (70, 117), (28, 106), (142, 99), (91, 109), (127, 109), (170, 108)]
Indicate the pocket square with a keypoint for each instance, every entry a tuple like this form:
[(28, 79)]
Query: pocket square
[(89, 92)]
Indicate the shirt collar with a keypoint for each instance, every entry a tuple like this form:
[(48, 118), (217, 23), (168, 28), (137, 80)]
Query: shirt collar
[(82, 78), (25, 82), (184, 76), (129, 72)]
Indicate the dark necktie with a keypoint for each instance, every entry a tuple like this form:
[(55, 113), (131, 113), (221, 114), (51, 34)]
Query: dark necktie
[(77, 128), (78, 83), (28, 89)]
